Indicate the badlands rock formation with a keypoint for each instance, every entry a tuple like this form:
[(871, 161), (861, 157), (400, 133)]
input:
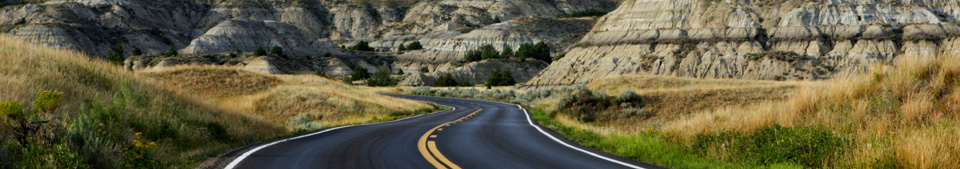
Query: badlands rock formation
[(305, 27), (479, 72), (446, 53), (301, 27), (756, 39)]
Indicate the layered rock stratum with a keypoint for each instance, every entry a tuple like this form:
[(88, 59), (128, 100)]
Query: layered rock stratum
[(756, 39), (303, 28), (749, 39)]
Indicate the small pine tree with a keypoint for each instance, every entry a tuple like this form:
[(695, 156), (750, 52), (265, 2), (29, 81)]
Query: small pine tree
[(382, 78), (171, 52), (542, 51), (360, 73), (259, 51), (500, 77), (137, 52), (328, 54), (116, 54), (473, 56), (446, 81), (424, 69), (507, 51), (276, 51), (401, 48), (362, 46), (21, 21), (400, 71), (488, 52), (415, 45)]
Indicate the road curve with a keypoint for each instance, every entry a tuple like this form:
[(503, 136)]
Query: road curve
[(476, 134)]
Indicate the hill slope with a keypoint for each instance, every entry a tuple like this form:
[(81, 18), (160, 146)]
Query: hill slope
[(299, 102), (109, 117)]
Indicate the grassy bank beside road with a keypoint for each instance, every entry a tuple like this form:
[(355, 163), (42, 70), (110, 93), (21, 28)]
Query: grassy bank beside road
[(82, 113), (62, 109), (897, 116)]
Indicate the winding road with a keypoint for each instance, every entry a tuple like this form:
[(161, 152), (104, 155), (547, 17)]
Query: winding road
[(475, 134)]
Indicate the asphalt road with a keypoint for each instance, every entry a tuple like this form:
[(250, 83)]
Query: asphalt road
[(476, 134)]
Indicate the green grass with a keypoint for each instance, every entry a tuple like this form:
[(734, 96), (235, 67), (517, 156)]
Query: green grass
[(650, 147), (807, 146)]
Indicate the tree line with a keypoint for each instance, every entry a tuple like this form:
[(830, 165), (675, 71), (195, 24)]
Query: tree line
[(538, 51)]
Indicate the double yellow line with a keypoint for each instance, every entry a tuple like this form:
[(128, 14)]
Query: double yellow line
[(429, 148)]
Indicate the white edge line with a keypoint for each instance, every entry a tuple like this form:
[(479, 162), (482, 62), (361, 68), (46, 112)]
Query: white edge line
[(236, 161), (573, 147)]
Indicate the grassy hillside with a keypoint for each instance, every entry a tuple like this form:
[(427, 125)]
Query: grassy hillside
[(889, 117), (900, 116), (101, 116), (300, 102)]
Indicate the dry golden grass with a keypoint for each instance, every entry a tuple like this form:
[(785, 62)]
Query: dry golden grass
[(670, 98), (280, 98), (27, 68), (903, 114), (216, 82)]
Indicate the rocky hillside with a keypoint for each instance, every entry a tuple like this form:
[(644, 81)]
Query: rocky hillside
[(303, 26), (756, 39), (479, 72), (198, 28)]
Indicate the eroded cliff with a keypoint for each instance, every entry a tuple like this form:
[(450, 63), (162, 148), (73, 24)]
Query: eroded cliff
[(756, 39)]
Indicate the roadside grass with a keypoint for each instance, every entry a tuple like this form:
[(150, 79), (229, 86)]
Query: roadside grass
[(895, 116), (299, 102), (648, 147), (108, 117), (629, 119)]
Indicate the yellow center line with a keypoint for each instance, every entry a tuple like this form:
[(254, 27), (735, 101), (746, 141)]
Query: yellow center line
[(429, 149), (433, 147)]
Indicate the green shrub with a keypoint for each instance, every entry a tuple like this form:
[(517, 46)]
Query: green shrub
[(807, 146), (171, 52), (21, 21), (137, 52), (473, 56), (446, 81), (35, 146), (362, 46), (116, 54), (539, 51), (507, 51), (423, 91), (360, 73), (424, 69), (628, 96), (382, 78), (277, 51), (500, 77), (303, 123), (218, 131), (488, 52), (415, 45), (260, 51)]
